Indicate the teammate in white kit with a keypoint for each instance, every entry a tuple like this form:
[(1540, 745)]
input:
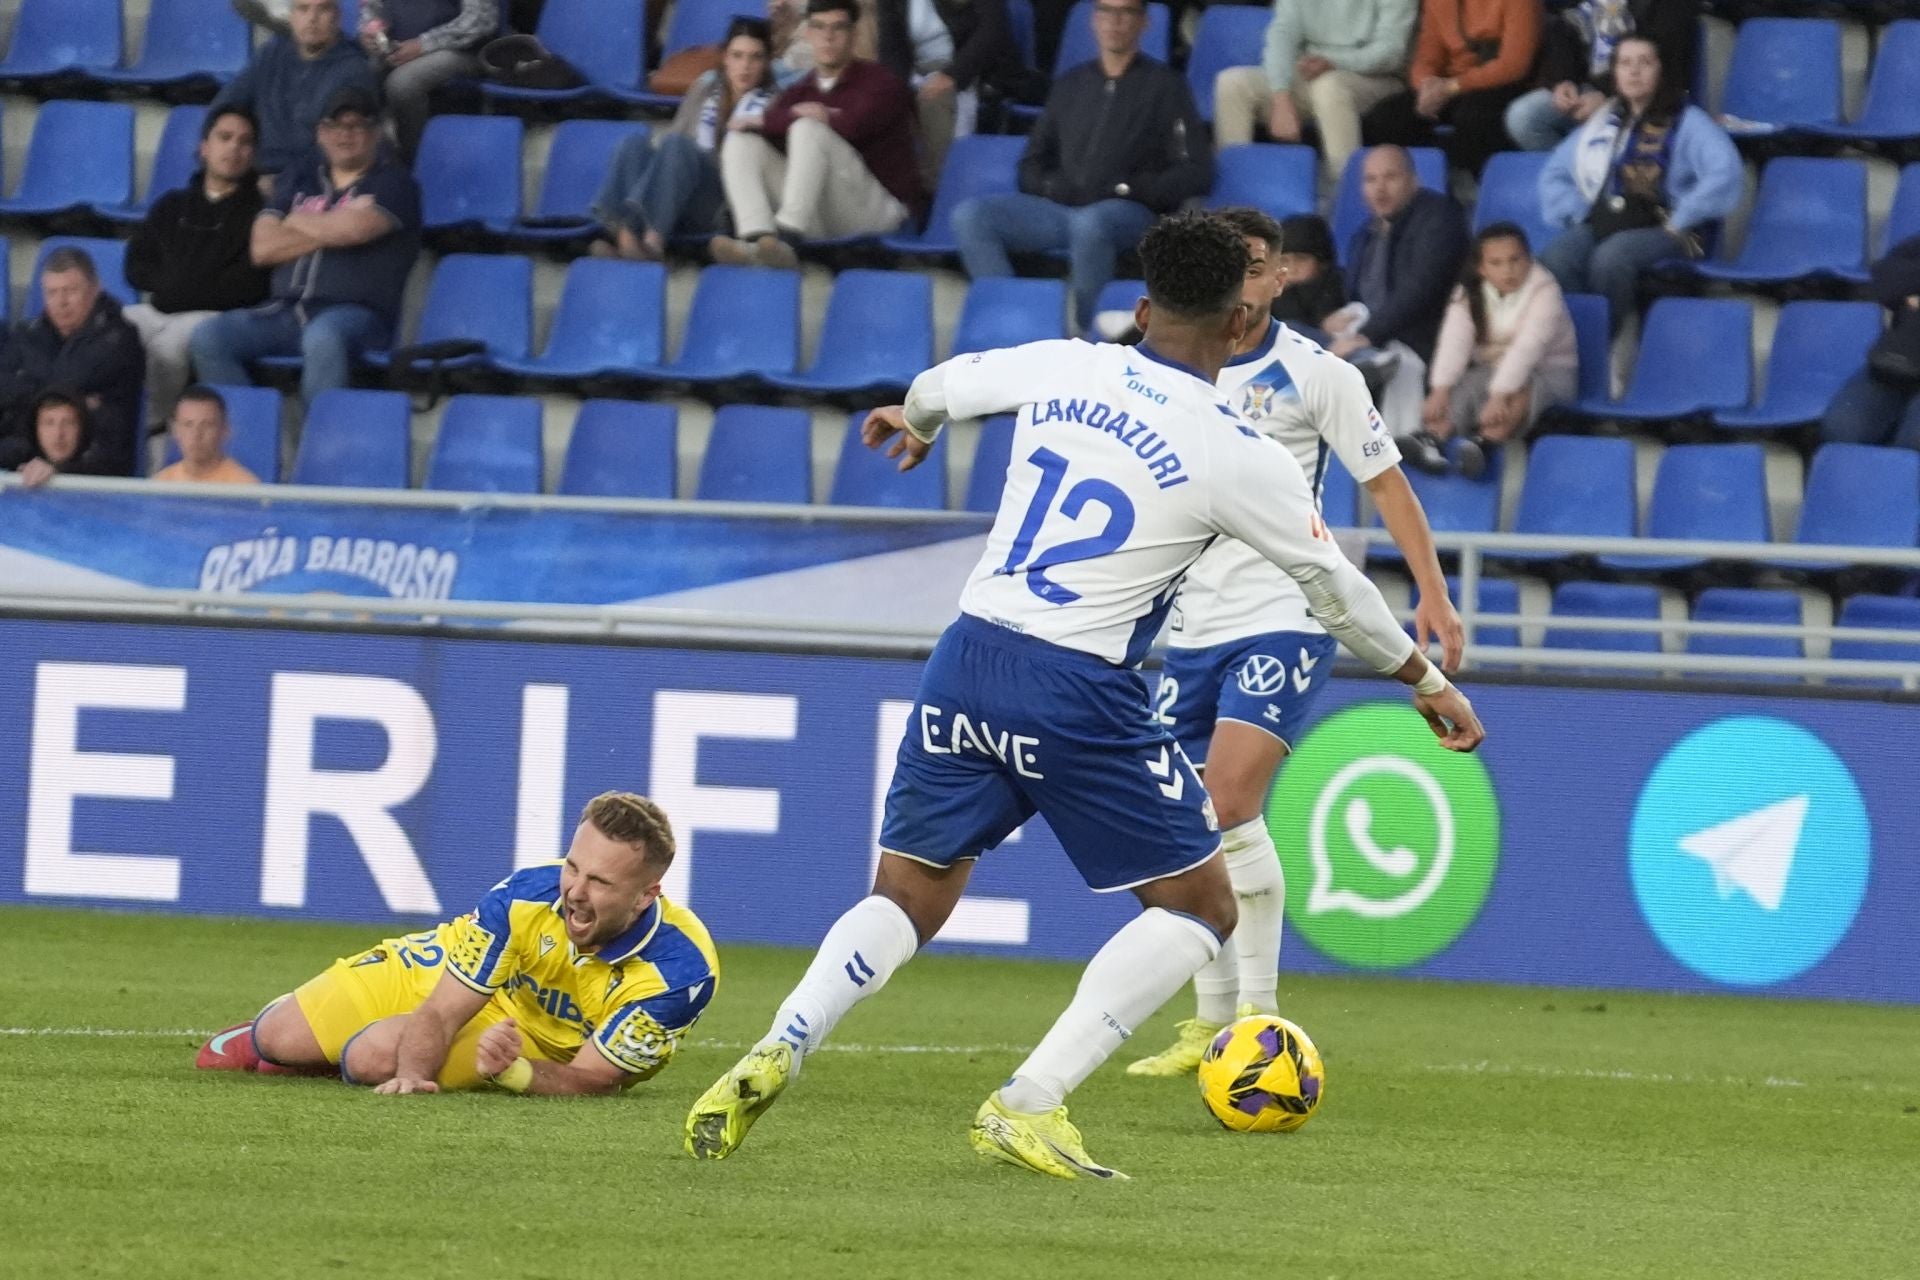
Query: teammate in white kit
[(1127, 463), (1246, 661)]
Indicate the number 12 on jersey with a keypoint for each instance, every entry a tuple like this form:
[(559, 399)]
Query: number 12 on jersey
[(1021, 557)]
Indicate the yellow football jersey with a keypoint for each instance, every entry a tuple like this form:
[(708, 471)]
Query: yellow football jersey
[(633, 998)]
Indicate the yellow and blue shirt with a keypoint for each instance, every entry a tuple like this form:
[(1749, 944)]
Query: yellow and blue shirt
[(633, 998)]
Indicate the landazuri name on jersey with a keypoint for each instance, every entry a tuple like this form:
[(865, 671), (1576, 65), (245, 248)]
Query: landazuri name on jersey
[(1310, 401), (1125, 466)]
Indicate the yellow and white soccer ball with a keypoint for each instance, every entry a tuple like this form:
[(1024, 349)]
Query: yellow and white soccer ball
[(1262, 1075)]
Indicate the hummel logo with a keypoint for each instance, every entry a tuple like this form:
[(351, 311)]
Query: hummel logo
[(1307, 661)]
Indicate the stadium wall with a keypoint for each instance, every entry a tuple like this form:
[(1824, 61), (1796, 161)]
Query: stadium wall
[(1641, 838)]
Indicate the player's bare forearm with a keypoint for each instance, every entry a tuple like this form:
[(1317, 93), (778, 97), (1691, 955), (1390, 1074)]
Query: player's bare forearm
[(561, 1079), (424, 1042), (1406, 520)]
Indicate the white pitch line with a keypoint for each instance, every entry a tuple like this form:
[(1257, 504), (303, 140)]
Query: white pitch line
[(1488, 1068)]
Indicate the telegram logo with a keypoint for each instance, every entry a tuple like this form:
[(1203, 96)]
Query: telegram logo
[(1749, 850)]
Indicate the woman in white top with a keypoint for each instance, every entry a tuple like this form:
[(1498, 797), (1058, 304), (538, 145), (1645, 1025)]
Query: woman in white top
[(1506, 352), (670, 183)]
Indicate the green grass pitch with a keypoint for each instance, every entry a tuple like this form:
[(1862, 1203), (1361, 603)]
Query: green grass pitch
[(1467, 1131)]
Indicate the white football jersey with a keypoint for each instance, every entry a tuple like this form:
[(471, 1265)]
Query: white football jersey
[(1125, 467), (1297, 393)]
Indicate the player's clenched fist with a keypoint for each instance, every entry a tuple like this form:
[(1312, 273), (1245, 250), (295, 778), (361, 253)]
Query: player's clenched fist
[(499, 1045), (1452, 719)]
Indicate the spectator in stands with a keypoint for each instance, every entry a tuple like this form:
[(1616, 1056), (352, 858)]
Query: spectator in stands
[(61, 443), (419, 45), (191, 255), (1315, 289), (1117, 143), (290, 78), (1881, 403), (201, 431), (1327, 62), (1506, 352), (341, 233), (946, 49), (1641, 181), (1406, 261), (1473, 57), (83, 346), (793, 55), (848, 168), (1576, 52), (670, 181)]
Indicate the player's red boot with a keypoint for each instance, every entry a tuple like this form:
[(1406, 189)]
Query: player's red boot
[(230, 1050)]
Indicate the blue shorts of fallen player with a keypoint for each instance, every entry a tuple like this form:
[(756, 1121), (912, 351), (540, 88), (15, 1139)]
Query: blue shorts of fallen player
[(1269, 681), (1006, 725)]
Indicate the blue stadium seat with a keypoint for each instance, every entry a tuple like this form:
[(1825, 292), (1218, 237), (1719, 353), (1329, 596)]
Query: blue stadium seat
[(1454, 504), (623, 449), (1740, 604), (1704, 493), (980, 165), (175, 157), (1816, 347), (1572, 600), (253, 413), (355, 438), (6, 282), (1007, 312), (62, 38), (756, 454), (81, 155), (1785, 74), (1510, 192), (869, 478), (1496, 595), (1809, 222), (1891, 110), (1903, 217), (1594, 343), (1076, 37), (577, 164), (601, 38), (877, 336), (109, 260), (482, 297), (1277, 180), (744, 322), (1900, 613), (350, 19), (694, 23), (610, 323), (469, 171), (1229, 35), (1116, 295), (1859, 495), (988, 475), (1020, 18), (1576, 487), (1696, 357), (188, 42), (487, 444), (1339, 496), (1350, 207)]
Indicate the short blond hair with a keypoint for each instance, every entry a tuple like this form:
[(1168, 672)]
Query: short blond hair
[(633, 820)]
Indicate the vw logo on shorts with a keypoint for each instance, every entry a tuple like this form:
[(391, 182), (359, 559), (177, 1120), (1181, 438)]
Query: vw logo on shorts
[(1262, 675)]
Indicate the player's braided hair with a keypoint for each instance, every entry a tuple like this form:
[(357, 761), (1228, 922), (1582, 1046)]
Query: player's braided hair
[(1251, 223), (1194, 263), (633, 820)]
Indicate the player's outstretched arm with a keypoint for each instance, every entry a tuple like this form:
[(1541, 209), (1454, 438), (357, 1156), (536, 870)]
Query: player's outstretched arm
[(428, 1033), (500, 1056), (1434, 617)]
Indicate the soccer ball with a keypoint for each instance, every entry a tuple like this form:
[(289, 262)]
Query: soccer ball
[(1262, 1075)]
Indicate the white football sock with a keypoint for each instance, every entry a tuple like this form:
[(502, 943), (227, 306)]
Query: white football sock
[(1139, 969), (855, 959), (1260, 885), (1217, 987)]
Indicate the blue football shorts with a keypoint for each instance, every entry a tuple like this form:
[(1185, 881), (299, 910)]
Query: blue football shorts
[(1269, 681)]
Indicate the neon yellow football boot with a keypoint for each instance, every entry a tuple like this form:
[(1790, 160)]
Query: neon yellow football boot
[(1183, 1056), (719, 1121), (1045, 1143)]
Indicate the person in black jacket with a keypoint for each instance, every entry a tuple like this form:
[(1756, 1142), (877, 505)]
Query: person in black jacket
[(1118, 142), (1315, 288), (62, 441), (1404, 264), (1575, 71), (80, 344), (1880, 404), (948, 50), (190, 255)]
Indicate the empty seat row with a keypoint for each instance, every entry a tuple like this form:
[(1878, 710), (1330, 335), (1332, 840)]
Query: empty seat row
[(197, 43)]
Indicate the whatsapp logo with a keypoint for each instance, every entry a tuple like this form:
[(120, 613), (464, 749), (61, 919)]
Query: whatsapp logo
[(1389, 841)]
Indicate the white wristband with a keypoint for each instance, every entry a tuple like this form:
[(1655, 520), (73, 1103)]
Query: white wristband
[(1432, 684)]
